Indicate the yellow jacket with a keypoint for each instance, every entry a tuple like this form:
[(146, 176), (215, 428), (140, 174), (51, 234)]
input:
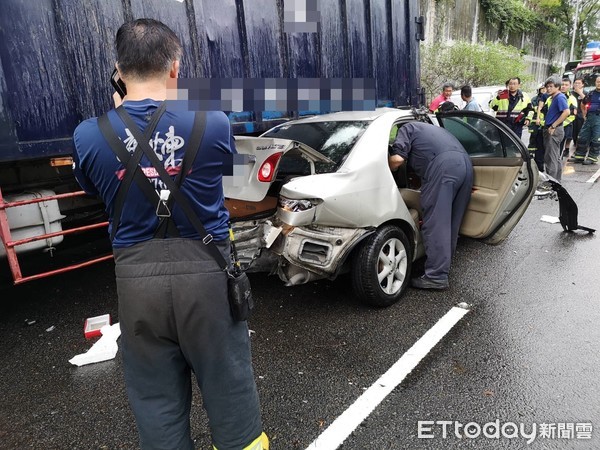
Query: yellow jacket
[(501, 105)]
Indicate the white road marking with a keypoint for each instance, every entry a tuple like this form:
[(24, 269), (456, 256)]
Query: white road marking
[(350, 419), (594, 177)]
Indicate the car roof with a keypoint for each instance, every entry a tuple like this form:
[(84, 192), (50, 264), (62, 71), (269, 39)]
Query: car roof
[(343, 116), (482, 89)]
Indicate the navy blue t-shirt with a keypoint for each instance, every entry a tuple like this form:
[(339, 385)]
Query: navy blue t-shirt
[(99, 172), (557, 106), (593, 100)]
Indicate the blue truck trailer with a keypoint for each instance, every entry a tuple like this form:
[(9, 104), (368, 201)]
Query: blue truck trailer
[(56, 57)]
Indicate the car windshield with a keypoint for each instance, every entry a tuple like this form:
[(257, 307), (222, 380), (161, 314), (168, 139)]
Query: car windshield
[(333, 139), (589, 75)]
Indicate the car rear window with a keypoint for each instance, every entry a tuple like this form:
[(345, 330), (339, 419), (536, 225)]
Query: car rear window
[(333, 139)]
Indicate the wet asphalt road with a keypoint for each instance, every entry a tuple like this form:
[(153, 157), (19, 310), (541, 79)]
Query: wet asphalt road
[(525, 353)]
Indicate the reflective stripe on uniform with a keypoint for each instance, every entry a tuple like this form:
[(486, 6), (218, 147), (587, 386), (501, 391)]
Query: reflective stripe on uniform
[(501, 107), (572, 102), (260, 443)]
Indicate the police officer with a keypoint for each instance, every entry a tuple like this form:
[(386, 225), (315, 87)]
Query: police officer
[(579, 94), (589, 135), (173, 305), (513, 107), (446, 174)]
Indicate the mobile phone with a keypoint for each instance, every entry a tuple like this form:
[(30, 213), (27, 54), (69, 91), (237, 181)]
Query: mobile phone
[(118, 84)]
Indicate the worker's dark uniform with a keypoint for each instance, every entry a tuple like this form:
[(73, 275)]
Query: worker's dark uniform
[(173, 307), (446, 173)]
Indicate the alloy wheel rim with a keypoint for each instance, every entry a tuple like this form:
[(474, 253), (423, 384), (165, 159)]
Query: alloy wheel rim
[(392, 264)]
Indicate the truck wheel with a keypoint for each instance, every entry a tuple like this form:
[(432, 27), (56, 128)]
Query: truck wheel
[(381, 267)]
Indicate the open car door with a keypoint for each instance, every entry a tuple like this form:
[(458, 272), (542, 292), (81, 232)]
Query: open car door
[(504, 177)]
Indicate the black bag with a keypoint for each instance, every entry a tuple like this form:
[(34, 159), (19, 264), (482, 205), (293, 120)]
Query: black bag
[(241, 302)]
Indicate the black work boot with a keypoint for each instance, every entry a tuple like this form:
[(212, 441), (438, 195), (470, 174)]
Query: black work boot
[(424, 282)]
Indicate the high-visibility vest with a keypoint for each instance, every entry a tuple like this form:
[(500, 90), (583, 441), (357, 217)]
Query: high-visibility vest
[(500, 105), (572, 102)]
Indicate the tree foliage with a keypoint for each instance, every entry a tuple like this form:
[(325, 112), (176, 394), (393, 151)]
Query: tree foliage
[(463, 63), (510, 15), (563, 13), (553, 17)]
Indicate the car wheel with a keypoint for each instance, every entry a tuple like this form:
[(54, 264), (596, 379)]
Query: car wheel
[(381, 267)]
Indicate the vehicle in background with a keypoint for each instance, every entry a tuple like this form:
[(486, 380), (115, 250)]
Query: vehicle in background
[(569, 71), (319, 199), (482, 95), (55, 67), (589, 67)]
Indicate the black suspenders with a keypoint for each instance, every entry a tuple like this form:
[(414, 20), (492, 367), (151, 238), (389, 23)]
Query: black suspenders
[(162, 202)]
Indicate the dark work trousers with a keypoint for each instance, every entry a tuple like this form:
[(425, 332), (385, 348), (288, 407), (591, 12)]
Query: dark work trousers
[(539, 152), (567, 137), (445, 195), (175, 318), (589, 135), (577, 124), (517, 128)]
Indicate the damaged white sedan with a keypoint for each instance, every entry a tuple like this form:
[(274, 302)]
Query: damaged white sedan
[(316, 197)]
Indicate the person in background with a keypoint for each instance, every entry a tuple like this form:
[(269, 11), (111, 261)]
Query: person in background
[(565, 88), (466, 93), (446, 173), (173, 296), (513, 106), (447, 89), (589, 136), (536, 138), (558, 111), (579, 95)]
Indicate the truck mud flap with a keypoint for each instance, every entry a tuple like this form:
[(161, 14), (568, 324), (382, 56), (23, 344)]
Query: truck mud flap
[(568, 210)]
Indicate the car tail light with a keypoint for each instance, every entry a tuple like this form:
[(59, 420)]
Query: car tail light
[(267, 169)]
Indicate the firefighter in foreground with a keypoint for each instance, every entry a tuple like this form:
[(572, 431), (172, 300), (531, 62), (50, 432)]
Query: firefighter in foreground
[(173, 298)]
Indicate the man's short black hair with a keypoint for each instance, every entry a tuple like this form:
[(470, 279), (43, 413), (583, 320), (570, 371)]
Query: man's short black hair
[(447, 85), (466, 91), (145, 48), (514, 78)]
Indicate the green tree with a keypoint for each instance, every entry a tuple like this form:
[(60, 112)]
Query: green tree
[(463, 63), (562, 13)]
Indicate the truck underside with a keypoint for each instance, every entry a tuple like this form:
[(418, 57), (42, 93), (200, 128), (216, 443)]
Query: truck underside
[(40, 204)]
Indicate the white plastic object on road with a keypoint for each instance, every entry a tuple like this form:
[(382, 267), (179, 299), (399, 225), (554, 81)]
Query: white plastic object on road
[(105, 349), (550, 219)]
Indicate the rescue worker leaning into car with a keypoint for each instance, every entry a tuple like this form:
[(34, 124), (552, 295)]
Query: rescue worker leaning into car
[(446, 174), (513, 106)]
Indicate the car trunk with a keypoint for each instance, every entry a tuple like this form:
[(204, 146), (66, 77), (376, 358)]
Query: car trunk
[(252, 193)]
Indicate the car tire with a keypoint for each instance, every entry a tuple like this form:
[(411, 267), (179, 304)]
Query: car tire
[(377, 280)]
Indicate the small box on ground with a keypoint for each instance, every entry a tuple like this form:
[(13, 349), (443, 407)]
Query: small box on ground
[(93, 324)]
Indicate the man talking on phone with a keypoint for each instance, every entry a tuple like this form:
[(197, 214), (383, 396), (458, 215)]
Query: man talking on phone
[(513, 106), (173, 303)]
